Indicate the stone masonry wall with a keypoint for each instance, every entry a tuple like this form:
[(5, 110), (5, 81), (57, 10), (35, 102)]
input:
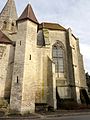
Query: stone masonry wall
[(6, 68), (51, 84), (18, 71), (62, 79), (30, 77), (53, 36), (79, 72), (23, 85)]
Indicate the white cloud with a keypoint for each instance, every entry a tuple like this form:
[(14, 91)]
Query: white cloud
[(85, 49), (70, 13)]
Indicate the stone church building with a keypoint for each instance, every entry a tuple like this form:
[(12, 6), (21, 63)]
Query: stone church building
[(38, 61)]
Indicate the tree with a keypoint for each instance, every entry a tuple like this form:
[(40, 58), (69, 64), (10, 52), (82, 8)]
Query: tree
[(88, 81)]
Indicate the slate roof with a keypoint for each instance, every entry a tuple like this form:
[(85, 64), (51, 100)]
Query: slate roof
[(51, 26), (28, 14), (4, 39)]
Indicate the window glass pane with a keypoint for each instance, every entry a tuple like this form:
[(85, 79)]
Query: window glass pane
[(60, 65), (54, 52), (60, 52), (56, 68), (60, 69), (55, 60), (56, 64), (60, 61)]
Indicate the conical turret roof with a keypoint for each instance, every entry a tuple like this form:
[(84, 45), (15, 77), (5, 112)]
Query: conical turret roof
[(28, 14)]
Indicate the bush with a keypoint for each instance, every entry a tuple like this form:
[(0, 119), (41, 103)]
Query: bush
[(3, 103), (13, 113), (68, 104)]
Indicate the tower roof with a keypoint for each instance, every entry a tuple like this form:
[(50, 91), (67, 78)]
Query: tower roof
[(9, 11), (28, 14), (4, 39)]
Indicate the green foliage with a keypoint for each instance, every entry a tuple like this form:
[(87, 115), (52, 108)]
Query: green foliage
[(3, 103), (84, 97), (4, 107), (13, 112), (88, 81), (68, 104), (87, 76)]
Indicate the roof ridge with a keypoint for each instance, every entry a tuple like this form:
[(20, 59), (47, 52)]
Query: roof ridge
[(52, 26)]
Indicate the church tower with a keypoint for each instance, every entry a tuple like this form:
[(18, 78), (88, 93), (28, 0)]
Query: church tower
[(24, 72), (8, 17)]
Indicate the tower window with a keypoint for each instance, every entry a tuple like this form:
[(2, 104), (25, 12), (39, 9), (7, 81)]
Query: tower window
[(17, 79), (20, 42), (12, 26), (30, 57), (58, 58)]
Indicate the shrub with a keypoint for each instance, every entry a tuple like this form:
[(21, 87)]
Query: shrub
[(68, 104), (3, 103)]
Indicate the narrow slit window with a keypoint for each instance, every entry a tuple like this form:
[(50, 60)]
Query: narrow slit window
[(12, 27), (30, 57), (17, 79), (20, 42)]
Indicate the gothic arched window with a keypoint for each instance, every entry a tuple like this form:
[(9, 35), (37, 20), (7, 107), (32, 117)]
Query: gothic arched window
[(58, 57)]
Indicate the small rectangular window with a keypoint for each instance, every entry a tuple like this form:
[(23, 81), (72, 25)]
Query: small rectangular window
[(30, 57), (17, 79), (20, 42)]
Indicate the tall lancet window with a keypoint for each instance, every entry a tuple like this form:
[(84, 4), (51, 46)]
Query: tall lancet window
[(58, 57)]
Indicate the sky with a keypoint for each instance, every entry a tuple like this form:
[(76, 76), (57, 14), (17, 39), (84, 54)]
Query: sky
[(74, 14)]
